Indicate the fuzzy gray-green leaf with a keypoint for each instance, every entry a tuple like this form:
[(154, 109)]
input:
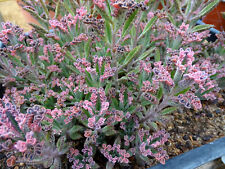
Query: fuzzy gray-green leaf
[(168, 110), (128, 22), (208, 8), (149, 26), (201, 27)]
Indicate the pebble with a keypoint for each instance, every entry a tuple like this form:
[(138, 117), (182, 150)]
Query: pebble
[(194, 137), (188, 119), (206, 138), (167, 143), (188, 144), (218, 111), (208, 114), (185, 137), (178, 145)]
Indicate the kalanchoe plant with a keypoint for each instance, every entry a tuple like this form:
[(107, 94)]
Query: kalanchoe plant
[(91, 82)]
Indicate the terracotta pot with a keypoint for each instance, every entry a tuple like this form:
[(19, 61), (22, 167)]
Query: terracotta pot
[(215, 17)]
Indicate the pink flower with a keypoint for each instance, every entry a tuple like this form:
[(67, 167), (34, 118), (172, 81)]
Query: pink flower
[(54, 68), (44, 58), (150, 15), (81, 12), (87, 133), (30, 139), (104, 107), (91, 122), (21, 146), (99, 3)]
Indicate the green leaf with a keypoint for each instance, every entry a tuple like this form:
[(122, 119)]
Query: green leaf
[(171, 19), (104, 15), (109, 7), (109, 130), (44, 7), (109, 165), (207, 91), (76, 128), (48, 162), (115, 103), (14, 122), (145, 54), (178, 4), (61, 142), (168, 110), (128, 22), (188, 7), (108, 31), (44, 122), (87, 47), (131, 55), (157, 55), (154, 125), (160, 93), (67, 5), (50, 102), (202, 27), (56, 164), (149, 26), (183, 91), (57, 9), (74, 132), (131, 109), (208, 8), (56, 125), (16, 60), (108, 86), (89, 80), (38, 28), (145, 103), (76, 136)]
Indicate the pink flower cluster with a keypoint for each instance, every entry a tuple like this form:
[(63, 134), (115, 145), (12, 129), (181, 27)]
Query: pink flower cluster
[(70, 113), (184, 32), (81, 12), (94, 123), (128, 139), (109, 72), (145, 66), (22, 145), (154, 141), (149, 87), (82, 64), (54, 68), (115, 153), (79, 160), (189, 99), (161, 74), (82, 37), (100, 3), (186, 55)]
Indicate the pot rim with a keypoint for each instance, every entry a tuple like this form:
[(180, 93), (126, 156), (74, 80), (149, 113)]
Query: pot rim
[(196, 157)]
